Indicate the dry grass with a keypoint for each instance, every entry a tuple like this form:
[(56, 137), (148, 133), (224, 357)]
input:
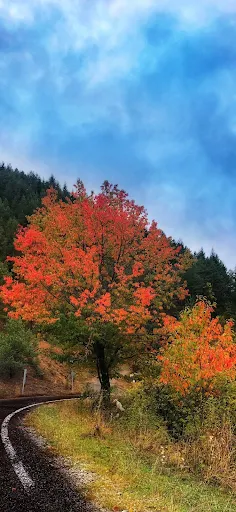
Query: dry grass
[(213, 456), (134, 468)]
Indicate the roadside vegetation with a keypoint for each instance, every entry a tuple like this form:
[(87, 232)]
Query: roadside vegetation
[(135, 463)]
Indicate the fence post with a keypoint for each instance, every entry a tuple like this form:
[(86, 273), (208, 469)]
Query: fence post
[(24, 381)]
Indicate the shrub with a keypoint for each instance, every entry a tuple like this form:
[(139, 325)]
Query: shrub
[(175, 410), (199, 351), (18, 347), (204, 430), (140, 420), (185, 415)]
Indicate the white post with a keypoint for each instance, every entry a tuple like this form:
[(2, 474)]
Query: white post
[(24, 381)]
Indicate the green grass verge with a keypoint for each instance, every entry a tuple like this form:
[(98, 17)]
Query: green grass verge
[(127, 478)]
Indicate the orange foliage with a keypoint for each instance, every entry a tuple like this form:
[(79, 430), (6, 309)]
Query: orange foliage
[(199, 350), (95, 256)]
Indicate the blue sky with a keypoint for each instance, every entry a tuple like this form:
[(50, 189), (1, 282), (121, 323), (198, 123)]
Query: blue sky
[(141, 93)]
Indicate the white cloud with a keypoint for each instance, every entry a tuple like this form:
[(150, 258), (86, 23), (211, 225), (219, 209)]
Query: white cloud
[(107, 15), (113, 27)]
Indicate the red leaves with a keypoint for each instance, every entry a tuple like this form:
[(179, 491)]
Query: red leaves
[(103, 306), (200, 350), (138, 269), (95, 256)]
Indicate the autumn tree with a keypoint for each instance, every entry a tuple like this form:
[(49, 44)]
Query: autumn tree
[(198, 351), (96, 261)]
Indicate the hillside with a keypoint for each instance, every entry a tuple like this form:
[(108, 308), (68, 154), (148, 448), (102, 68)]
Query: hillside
[(55, 378), (20, 195)]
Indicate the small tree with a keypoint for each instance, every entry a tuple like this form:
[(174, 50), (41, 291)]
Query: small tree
[(199, 350), (96, 260), (18, 347)]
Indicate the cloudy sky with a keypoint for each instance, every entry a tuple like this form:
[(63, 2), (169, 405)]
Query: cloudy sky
[(142, 93)]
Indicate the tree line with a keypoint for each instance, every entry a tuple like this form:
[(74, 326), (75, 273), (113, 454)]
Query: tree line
[(20, 195)]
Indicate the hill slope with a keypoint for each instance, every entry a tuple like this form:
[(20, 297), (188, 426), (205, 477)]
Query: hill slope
[(20, 195)]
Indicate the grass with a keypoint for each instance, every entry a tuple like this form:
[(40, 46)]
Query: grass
[(127, 477)]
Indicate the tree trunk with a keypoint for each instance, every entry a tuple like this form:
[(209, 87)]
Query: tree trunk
[(103, 374)]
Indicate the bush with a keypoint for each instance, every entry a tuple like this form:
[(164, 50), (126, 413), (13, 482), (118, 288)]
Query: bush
[(175, 410), (140, 420), (205, 431), (185, 416), (18, 347)]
